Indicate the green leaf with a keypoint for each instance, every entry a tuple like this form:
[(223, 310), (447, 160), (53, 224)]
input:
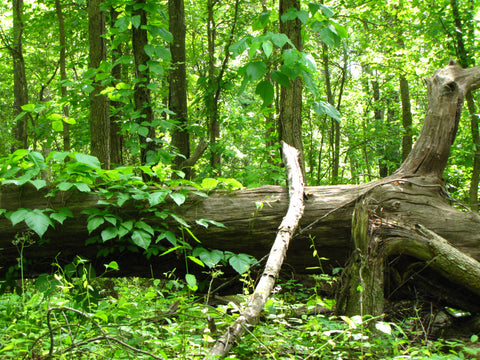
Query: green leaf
[(145, 227), (310, 83), (136, 21), (89, 160), (280, 40), (28, 107), (329, 37), (241, 262), (141, 238), (266, 91), (313, 7), (17, 216), (157, 197), (38, 183), (38, 159), (383, 327), (94, 223), (124, 228), (303, 16), (57, 125), (196, 261), (209, 183), (61, 215), (38, 221), (112, 265), (64, 186), (261, 21), (209, 258), (109, 233), (82, 187), (341, 30), (267, 47), (280, 78), (255, 70), (180, 220), (323, 108), (327, 11), (191, 281), (205, 223), (178, 198)]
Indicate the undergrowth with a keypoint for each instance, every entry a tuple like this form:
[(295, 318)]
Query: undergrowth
[(73, 315)]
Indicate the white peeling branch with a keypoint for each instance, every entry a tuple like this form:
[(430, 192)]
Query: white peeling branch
[(274, 263)]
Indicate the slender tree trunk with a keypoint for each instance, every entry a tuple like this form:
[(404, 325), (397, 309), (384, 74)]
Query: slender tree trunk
[(116, 138), (99, 106), (290, 119), (178, 85), (142, 95), (20, 90), (212, 104), (63, 72), (406, 117), (466, 60)]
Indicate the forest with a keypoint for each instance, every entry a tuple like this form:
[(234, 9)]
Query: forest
[(239, 179)]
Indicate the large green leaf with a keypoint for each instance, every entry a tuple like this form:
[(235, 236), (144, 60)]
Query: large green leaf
[(141, 238), (241, 262), (179, 198), (280, 78), (89, 160), (94, 223), (17, 216), (38, 221), (266, 91), (109, 233), (255, 70)]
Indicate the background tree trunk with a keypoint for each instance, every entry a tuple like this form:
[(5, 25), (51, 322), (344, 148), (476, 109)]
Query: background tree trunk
[(20, 90), (290, 118), (178, 85), (142, 96), (99, 105), (63, 72)]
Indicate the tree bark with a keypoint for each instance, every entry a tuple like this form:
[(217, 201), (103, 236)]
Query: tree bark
[(99, 106), (177, 97), (20, 90), (290, 117), (63, 72), (116, 137), (406, 117), (142, 94)]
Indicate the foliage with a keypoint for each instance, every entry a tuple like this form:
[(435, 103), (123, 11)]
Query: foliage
[(76, 314)]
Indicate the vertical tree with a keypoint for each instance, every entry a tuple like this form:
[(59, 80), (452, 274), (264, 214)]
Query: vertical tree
[(290, 119), (215, 79), (407, 118), (177, 99), (99, 106), (142, 94), (20, 91), (116, 138), (63, 72), (466, 60)]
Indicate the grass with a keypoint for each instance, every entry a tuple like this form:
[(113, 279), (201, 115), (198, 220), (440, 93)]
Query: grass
[(71, 315)]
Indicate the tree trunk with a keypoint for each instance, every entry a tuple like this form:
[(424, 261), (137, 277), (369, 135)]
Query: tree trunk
[(116, 138), (63, 72), (178, 85), (142, 95), (99, 106), (20, 90), (406, 117), (290, 118)]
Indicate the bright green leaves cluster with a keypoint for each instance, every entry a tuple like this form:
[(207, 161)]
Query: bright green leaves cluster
[(239, 262), (260, 49), (38, 220), (46, 112)]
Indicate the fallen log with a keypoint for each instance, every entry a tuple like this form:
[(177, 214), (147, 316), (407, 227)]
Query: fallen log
[(413, 197)]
